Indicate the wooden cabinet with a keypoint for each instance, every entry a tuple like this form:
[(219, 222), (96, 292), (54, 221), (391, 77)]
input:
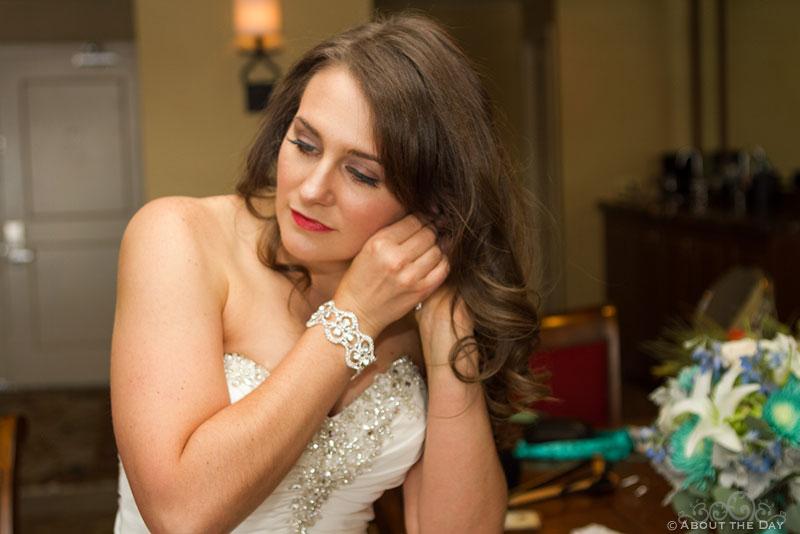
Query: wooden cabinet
[(659, 262)]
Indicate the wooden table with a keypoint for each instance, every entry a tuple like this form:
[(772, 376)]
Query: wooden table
[(621, 510)]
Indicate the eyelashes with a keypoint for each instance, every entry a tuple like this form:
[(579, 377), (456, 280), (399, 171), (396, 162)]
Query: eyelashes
[(362, 177), (307, 150), (302, 146)]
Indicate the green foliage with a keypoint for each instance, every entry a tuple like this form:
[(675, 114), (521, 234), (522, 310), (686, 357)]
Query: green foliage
[(752, 421)]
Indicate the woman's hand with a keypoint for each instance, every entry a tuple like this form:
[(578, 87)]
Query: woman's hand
[(399, 266), (435, 319), (438, 329)]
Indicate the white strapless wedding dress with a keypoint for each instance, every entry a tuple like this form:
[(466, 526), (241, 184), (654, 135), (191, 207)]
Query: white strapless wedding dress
[(354, 457)]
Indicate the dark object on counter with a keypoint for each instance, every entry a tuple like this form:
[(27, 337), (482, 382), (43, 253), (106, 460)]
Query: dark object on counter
[(684, 181), (674, 182), (557, 429), (592, 476), (727, 186), (677, 171), (511, 467), (790, 201), (764, 195)]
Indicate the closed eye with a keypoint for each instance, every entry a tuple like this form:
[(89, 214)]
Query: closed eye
[(302, 146), (363, 178)]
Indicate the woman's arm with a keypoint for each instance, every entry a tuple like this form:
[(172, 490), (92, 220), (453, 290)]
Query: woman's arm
[(195, 462), (458, 485)]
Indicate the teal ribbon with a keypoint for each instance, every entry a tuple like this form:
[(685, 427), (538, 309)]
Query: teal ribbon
[(612, 444)]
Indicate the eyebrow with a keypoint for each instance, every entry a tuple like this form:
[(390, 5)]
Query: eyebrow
[(352, 151)]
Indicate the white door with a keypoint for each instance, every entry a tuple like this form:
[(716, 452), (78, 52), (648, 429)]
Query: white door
[(69, 182)]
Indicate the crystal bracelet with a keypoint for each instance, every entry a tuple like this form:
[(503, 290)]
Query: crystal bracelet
[(341, 327)]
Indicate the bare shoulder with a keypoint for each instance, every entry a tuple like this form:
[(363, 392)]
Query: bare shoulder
[(172, 215), (204, 222), (171, 229)]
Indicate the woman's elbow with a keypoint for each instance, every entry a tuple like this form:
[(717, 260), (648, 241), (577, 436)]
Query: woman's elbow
[(186, 520), (486, 519), (168, 509)]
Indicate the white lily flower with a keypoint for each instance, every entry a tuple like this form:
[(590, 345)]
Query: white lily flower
[(788, 345), (713, 410), (793, 359), (666, 396)]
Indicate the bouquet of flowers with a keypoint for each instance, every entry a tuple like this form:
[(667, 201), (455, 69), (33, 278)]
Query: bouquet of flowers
[(727, 436)]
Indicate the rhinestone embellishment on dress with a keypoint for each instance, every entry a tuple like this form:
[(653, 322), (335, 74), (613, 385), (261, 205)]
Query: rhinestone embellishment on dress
[(242, 371), (345, 444)]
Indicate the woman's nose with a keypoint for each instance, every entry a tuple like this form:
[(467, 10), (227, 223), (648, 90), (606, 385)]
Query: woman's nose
[(317, 186)]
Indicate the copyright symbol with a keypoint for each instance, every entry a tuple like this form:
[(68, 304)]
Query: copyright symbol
[(672, 525)]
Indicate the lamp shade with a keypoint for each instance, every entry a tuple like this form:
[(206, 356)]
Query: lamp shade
[(258, 18)]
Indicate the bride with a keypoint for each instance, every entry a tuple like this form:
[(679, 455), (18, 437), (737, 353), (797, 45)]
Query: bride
[(355, 318)]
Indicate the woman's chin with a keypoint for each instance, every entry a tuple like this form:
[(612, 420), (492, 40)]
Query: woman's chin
[(307, 253)]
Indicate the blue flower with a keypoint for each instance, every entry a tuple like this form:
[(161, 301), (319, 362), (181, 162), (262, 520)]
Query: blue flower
[(696, 465), (749, 370), (775, 360), (707, 360), (757, 463), (656, 453), (751, 374), (774, 449)]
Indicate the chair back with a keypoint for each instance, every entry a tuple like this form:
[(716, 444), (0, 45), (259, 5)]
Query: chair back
[(10, 431), (580, 349)]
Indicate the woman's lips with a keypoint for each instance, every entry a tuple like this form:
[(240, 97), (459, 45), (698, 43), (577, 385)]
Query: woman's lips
[(309, 224)]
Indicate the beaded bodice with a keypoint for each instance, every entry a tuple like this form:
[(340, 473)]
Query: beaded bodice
[(352, 459)]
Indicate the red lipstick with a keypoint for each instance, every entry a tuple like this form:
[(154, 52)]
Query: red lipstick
[(309, 224)]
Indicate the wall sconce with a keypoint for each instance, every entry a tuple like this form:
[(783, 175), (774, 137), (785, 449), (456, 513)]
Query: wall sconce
[(258, 32)]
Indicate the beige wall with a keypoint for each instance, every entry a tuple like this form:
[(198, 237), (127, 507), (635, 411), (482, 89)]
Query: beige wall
[(764, 79), (195, 130), (624, 100), (490, 32)]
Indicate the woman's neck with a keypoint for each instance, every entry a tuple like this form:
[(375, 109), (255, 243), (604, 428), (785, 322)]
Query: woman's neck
[(323, 287), (325, 278)]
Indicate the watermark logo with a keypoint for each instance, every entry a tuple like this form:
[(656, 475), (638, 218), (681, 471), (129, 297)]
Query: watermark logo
[(738, 512)]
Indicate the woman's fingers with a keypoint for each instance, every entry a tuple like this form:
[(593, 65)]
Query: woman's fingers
[(422, 256), (397, 246), (436, 276), (419, 243), (427, 261), (401, 230)]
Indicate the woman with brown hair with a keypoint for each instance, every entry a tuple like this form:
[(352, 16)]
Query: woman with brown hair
[(367, 288)]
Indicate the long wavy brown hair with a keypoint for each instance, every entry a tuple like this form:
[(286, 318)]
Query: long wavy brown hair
[(435, 130)]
